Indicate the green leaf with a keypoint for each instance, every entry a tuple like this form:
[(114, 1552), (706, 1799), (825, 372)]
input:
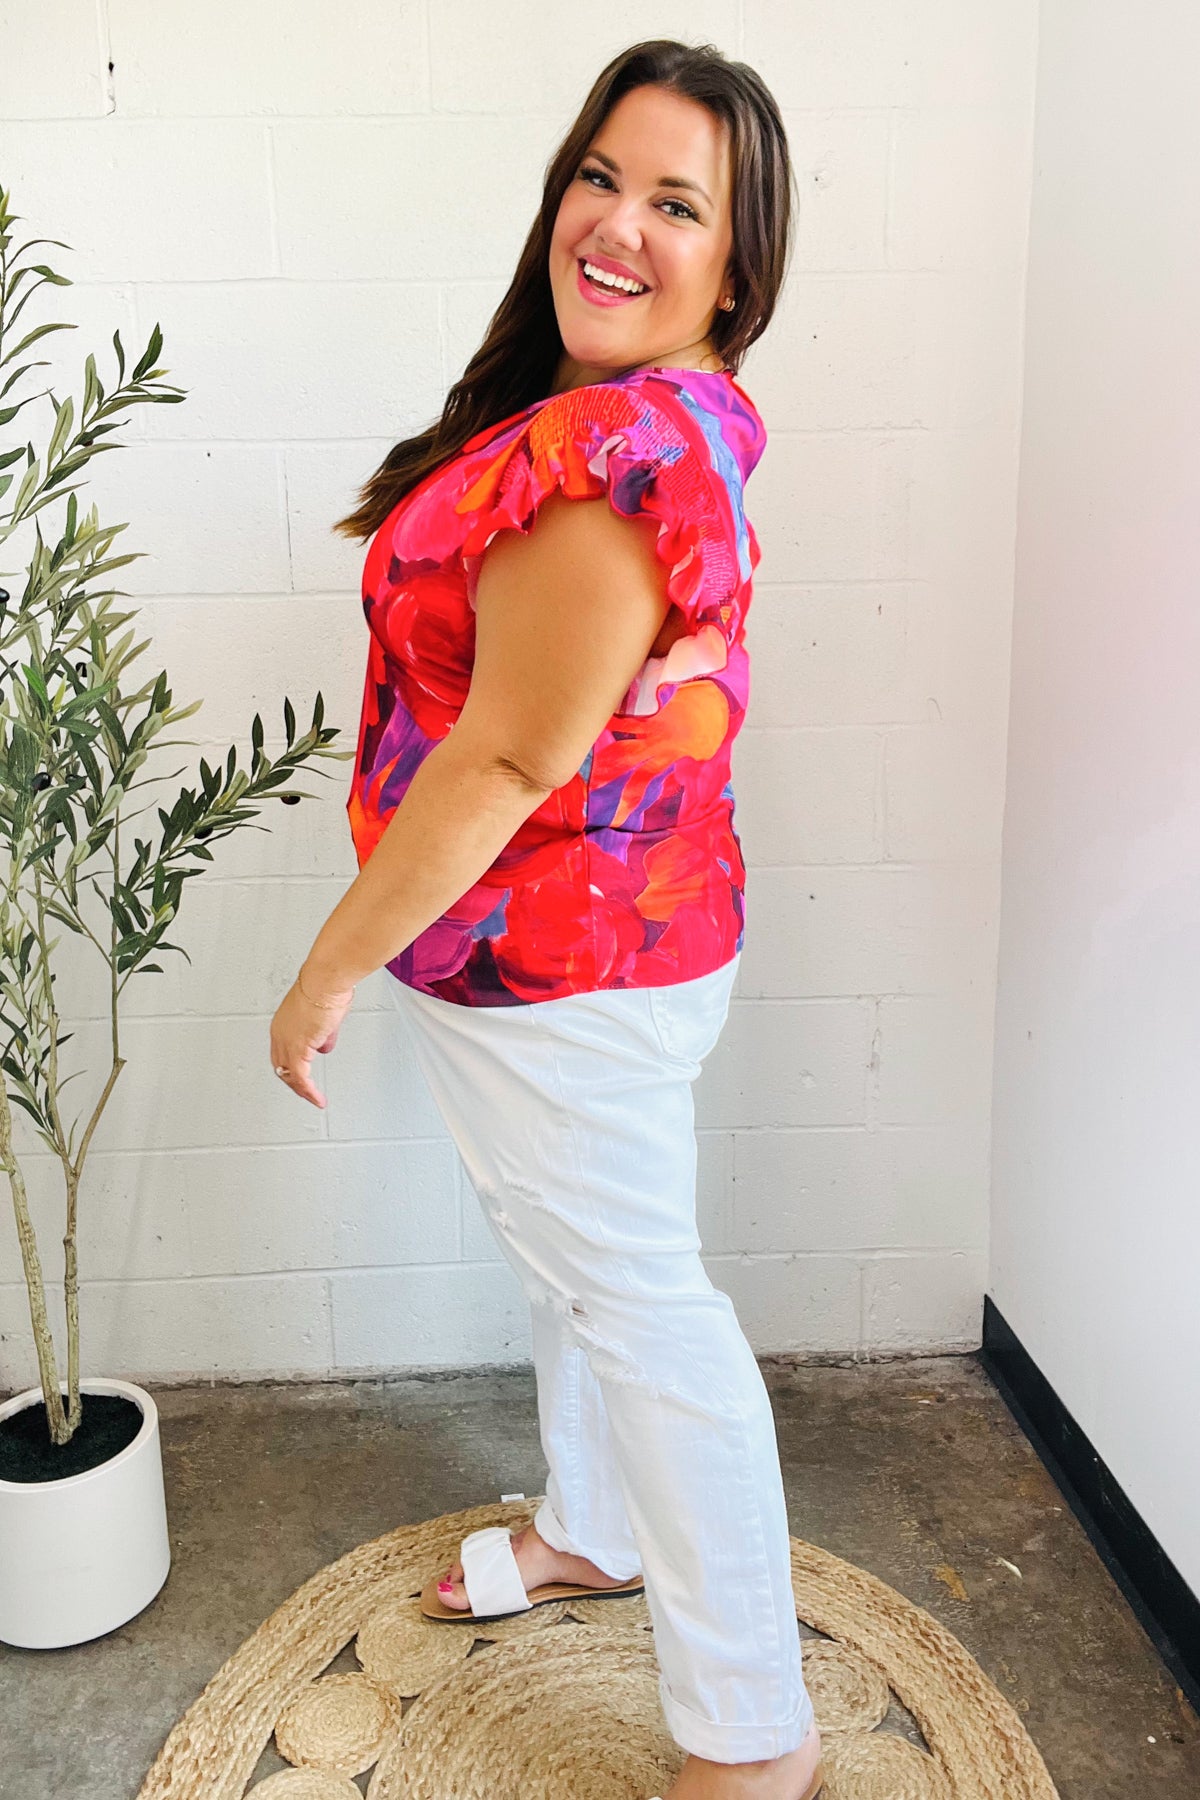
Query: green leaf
[(151, 351), (65, 918), (33, 1111), (34, 678), (105, 712), (61, 432), (29, 480), (31, 337)]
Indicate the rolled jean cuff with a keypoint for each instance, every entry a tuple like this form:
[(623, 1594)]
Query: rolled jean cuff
[(552, 1533), (733, 1743)]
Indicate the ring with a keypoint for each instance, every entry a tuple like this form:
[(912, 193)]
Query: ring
[(281, 1071)]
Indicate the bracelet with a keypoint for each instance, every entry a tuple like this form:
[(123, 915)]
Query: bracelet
[(326, 1005)]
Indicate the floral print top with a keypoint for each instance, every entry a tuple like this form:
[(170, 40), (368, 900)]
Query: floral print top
[(631, 874)]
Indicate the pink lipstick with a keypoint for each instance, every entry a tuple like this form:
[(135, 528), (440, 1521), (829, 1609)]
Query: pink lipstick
[(598, 295)]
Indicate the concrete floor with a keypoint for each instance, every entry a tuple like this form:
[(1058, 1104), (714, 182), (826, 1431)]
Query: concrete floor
[(914, 1469)]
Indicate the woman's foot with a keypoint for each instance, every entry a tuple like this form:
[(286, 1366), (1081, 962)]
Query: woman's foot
[(787, 1777), (538, 1563)]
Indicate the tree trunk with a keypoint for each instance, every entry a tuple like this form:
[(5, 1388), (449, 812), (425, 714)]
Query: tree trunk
[(56, 1418)]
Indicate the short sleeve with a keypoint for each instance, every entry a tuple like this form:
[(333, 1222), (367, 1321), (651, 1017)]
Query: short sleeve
[(653, 458)]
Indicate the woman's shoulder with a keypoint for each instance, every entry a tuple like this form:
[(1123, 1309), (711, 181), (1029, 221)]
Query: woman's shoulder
[(663, 415), (709, 410), (660, 405), (681, 440)]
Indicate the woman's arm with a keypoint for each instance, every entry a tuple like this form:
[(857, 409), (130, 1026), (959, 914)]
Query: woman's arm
[(565, 617), (459, 811)]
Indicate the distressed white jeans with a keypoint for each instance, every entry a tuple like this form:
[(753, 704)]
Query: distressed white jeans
[(574, 1119)]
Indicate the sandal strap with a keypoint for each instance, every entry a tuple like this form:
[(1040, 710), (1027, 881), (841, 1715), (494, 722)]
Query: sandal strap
[(490, 1572)]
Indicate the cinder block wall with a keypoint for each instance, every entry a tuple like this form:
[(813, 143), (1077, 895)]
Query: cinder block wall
[(321, 205)]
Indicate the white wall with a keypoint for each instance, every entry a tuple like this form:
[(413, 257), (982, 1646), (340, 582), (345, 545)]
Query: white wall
[(1096, 1213), (321, 205)]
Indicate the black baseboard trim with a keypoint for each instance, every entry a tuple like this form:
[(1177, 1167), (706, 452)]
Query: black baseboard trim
[(1166, 1608)]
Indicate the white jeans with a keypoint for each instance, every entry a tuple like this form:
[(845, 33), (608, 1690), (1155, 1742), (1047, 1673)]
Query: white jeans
[(574, 1119)]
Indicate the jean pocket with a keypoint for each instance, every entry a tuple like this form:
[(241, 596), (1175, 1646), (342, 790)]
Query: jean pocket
[(688, 1016)]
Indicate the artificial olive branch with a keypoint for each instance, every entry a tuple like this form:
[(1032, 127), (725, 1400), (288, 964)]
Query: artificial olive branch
[(73, 737)]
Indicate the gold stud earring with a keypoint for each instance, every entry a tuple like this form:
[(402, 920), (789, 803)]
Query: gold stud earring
[(728, 304)]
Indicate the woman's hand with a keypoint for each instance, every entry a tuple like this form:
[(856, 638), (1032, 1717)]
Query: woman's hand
[(302, 1026)]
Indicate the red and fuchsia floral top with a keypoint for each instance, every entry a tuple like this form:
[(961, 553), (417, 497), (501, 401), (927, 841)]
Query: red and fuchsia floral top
[(631, 874)]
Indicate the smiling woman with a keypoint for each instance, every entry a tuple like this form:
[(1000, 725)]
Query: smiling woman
[(623, 217), (556, 589)]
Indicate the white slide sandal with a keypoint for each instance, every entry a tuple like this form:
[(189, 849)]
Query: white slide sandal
[(495, 1587)]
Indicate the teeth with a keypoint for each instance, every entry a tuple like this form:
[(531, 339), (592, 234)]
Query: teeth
[(613, 281)]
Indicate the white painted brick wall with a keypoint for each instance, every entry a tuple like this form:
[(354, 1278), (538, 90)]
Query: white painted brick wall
[(321, 206)]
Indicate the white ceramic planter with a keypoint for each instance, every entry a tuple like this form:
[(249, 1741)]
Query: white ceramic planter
[(80, 1556)]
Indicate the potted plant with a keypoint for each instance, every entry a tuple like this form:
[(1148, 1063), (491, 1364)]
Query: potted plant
[(83, 1530)]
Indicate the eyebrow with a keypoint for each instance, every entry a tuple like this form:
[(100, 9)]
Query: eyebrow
[(674, 181)]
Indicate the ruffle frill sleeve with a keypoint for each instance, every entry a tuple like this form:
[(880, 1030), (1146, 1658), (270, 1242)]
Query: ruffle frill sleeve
[(653, 459)]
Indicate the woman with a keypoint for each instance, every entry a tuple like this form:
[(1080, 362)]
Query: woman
[(543, 819)]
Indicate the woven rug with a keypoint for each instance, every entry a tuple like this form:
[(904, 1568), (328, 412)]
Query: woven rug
[(561, 1703)]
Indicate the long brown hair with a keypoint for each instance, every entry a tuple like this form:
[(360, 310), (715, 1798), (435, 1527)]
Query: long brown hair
[(516, 363)]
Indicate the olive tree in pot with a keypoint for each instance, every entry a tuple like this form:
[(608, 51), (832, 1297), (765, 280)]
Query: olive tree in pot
[(83, 1530)]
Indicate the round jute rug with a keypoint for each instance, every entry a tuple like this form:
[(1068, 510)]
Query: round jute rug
[(561, 1703)]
